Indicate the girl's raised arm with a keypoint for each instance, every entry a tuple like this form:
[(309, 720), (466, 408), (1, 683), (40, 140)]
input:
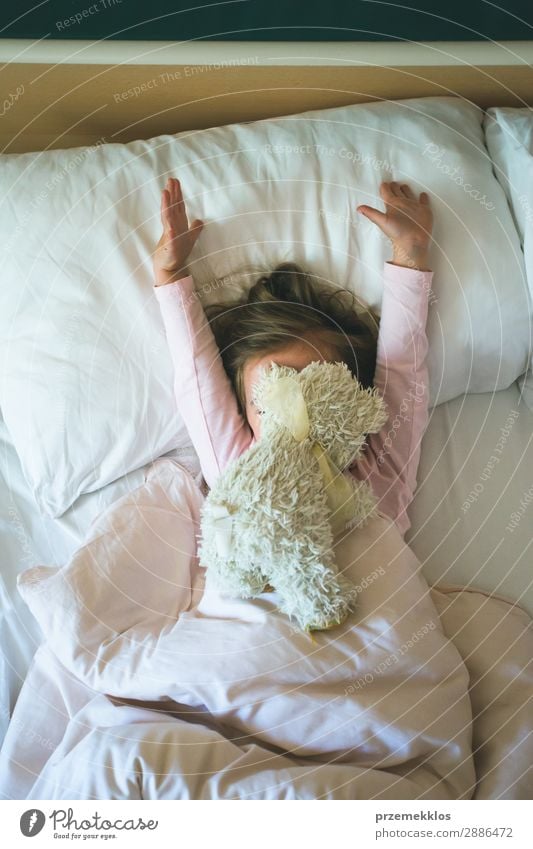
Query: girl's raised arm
[(203, 391), (391, 457)]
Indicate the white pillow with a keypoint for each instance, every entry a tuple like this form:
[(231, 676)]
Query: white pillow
[(509, 137), (86, 378)]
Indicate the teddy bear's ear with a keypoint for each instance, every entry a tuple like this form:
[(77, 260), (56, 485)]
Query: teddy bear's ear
[(269, 375)]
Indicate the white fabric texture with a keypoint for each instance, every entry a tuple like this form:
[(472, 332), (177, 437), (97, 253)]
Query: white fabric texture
[(86, 380), (509, 137)]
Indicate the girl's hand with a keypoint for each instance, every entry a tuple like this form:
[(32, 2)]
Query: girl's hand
[(407, 222), (178, 239)]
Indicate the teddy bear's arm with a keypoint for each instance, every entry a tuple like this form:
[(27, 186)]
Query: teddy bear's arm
[(390, 458), (204, 395)]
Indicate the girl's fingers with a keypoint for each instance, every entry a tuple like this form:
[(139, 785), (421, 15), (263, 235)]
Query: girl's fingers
[(373, 215), (167, 216), (165, 200), (169, 210), (177, 196), (173, 210), (179, 203), (391, 192), (170, 189), (168, 205), (176, 193), (385, 190), (402, 190)]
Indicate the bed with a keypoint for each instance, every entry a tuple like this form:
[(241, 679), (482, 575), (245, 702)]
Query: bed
[(471, 517)]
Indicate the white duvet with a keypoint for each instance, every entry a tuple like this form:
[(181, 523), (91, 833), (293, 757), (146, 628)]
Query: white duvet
[(377, 708)]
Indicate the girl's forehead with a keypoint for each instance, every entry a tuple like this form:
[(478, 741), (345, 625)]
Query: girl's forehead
[(296, 354)]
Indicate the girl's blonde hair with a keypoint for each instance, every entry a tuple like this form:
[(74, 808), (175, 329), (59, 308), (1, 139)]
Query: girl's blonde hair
[(286, 304)]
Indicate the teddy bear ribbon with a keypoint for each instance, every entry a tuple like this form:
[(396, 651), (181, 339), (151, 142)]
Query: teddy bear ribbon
[(286, 400), (223, 529)]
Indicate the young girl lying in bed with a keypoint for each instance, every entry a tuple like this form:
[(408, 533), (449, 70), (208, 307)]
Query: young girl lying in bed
[(288, 319)]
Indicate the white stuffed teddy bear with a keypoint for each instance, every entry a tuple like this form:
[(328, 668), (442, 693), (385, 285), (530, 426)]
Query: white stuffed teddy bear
[(272, 516)]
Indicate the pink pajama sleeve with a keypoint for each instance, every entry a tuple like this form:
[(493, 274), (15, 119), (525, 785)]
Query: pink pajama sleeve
[(203, 391), (389, 462)]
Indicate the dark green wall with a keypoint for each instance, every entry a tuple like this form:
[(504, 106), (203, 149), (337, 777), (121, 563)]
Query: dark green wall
[(268, 20)]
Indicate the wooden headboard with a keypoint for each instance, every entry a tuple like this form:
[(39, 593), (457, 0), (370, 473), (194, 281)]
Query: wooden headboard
[(60, 94)]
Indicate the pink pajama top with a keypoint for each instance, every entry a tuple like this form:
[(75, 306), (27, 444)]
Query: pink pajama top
[(220, 434)]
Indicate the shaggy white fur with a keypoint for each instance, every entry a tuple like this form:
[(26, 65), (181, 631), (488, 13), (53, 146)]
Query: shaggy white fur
[(268, 519)]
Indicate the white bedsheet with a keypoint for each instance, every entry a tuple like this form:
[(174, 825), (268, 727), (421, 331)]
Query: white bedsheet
[(472, 515)]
